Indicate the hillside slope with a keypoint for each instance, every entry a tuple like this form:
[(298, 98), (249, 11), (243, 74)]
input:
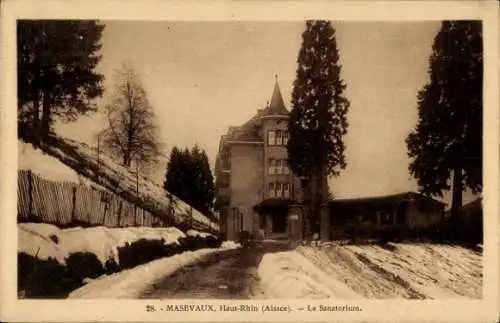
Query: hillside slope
[(121, 181)]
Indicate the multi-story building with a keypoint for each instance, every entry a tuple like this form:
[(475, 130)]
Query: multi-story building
[(253, 180)]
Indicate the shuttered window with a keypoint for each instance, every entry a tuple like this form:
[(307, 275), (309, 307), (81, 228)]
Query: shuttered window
[(279, 168), (279, 193), (286, 190), (271, 138), (272, 167), (272, 192), (279, 139)]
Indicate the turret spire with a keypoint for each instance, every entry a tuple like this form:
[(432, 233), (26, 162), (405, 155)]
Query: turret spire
[(277, 106)]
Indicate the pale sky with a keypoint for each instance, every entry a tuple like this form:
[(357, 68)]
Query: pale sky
[(202, 77)]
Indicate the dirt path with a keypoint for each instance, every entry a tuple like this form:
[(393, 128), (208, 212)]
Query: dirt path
[(228, 275)]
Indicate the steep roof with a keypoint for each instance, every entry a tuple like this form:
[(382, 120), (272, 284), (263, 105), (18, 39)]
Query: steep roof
[(276, 105), (249, 130)]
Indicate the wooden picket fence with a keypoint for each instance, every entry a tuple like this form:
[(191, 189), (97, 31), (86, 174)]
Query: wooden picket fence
[(66, 203)]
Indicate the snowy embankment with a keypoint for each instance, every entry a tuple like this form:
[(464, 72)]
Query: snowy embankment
[(290, 275), (105, 172), (48, 241), (53, 261), (417, 271), (49, 167), (132, 283)]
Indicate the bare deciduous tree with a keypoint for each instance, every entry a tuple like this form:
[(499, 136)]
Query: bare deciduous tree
[(131, 133)]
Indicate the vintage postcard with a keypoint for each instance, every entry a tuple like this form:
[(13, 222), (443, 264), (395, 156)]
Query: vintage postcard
[(285, 161)]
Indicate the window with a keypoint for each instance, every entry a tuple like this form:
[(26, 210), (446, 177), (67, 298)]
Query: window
[(286, 190), (285, 137), (272, 193), (278, 190), (286, 170), (279, 168), (279, 139), (271, 166), (270, 138)]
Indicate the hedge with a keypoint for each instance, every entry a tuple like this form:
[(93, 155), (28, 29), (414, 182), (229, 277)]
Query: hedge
[(39, 278)]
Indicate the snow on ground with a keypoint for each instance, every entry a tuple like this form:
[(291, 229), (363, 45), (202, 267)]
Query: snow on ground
[(196, 233), (107, 173), (44, 165), (421, 271), (35, 239), (50, 168), (132, 283), (290, 275)]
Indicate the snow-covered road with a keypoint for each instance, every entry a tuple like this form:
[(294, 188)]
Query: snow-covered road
[(231, 274), (271, 271)]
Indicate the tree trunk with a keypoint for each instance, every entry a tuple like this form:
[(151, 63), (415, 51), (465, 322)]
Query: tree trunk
[(456, 202), (35, 126), (305, 184), (46, 117)]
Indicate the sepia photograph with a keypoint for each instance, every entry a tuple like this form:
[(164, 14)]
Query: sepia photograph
[(357, 172), (248, 160)]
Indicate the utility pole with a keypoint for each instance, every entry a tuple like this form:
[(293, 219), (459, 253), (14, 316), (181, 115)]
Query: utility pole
[(137, 189), (98, 157), (99, 154)]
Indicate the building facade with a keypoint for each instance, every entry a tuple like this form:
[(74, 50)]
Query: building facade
[(251, 172), (404, 211)]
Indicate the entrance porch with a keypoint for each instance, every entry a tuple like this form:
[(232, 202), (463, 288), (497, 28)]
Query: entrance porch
[(272, 215)]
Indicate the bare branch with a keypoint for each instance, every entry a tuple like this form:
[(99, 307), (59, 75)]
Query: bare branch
[(131, 120)]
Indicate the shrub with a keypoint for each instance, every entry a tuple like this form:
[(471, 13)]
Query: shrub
[(111, 266), (40, 278), (192, 243), (213, 242), (81, 265), (141, 252), (48, 279)]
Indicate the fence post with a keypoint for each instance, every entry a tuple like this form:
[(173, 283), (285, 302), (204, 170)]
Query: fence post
[(30, 195), (104, 215), (73, 203), (120, 204), (135, 215)]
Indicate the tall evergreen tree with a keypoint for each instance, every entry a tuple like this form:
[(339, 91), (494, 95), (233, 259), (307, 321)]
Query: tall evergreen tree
[(56, 61), (447, 141), (173, 176), (196, 187), (208, 183), (186, 169), (189, 178), (318, 118)]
